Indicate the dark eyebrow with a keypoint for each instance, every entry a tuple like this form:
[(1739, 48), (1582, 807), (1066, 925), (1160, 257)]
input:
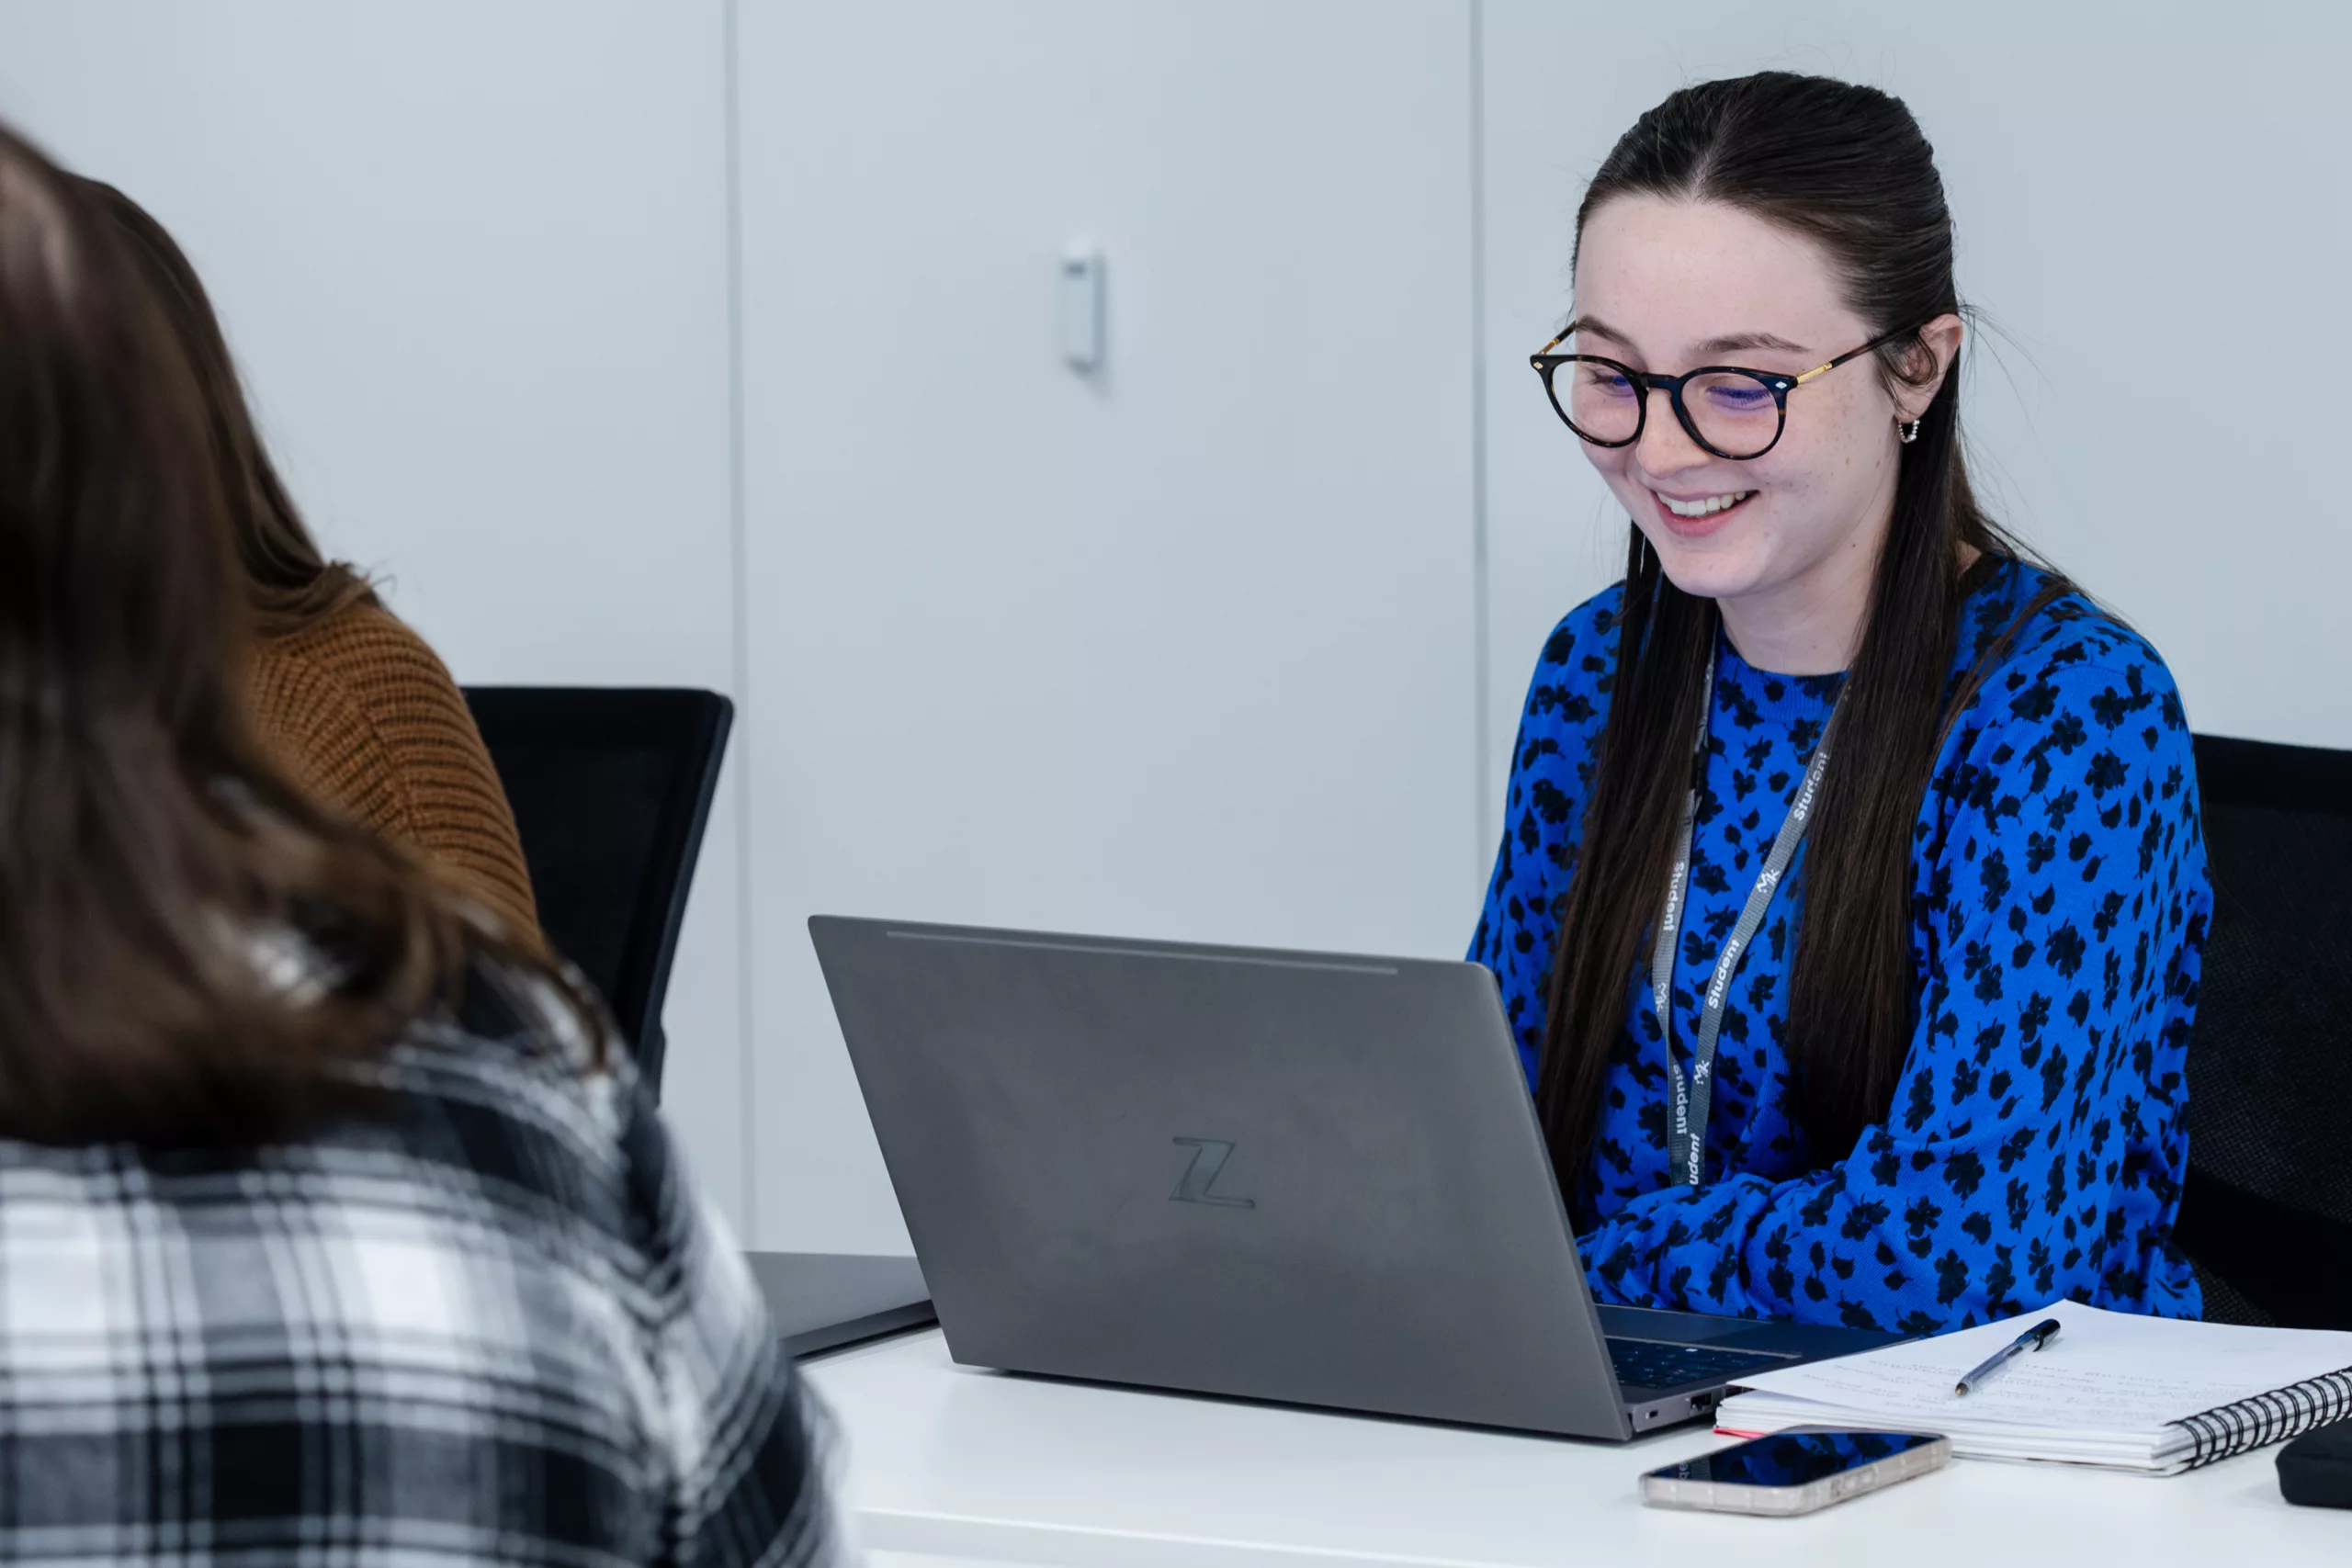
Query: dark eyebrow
[(1735, 342), (1731, 343), (1592, 326)]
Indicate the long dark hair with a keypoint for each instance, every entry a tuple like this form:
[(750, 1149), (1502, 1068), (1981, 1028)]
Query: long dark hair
[(288, 580), (187, 943), (1846, 167)]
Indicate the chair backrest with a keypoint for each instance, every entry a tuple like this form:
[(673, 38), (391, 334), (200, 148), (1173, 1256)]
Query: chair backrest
[(2266, 1212), (611, 789)]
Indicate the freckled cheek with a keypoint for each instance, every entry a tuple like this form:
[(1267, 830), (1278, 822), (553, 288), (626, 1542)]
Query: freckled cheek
[(1819, 451), (1847, 433), (1781, 474), (1815, 483)]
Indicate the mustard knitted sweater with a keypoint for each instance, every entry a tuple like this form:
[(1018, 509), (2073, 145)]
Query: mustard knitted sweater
[(364, 715)]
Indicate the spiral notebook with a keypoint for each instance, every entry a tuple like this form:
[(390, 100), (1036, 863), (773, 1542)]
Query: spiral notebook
[(2113, 1388)]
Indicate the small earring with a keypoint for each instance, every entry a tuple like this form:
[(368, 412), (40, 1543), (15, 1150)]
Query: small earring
[(1907, 433)]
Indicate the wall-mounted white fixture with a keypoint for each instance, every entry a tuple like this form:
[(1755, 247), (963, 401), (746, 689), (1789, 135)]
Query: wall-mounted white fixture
[(1082, 307)]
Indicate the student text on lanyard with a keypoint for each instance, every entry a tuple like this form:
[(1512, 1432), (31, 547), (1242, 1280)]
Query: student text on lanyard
[(1687, 1134)]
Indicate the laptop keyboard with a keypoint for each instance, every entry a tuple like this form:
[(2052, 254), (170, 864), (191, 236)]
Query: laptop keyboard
[(1647, 1363)]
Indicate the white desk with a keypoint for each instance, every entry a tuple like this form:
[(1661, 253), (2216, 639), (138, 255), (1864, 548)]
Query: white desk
[(949, 1462)]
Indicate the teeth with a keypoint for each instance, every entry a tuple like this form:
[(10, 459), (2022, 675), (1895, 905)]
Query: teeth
[(1706, 508)]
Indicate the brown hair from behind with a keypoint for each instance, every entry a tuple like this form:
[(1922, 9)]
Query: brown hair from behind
[(289, 581), (188, 946)]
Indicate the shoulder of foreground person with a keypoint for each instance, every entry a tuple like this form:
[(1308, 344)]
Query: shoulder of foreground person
[(745, 1451), (368, 720), (544, 1346)]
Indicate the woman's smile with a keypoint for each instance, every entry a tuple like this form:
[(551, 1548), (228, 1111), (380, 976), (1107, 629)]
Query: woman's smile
[(1696, 516)]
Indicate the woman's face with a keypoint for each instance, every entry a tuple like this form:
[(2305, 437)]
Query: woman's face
[(1669, 286)]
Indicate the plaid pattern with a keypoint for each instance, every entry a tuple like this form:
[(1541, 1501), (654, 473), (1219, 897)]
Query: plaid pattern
[(489, 1321)]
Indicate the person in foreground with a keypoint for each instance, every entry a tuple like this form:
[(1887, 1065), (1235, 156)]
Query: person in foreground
[(334, 1229), (344, 695), (1851, 891)]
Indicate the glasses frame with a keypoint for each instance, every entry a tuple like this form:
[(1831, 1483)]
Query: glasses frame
[(1647, 381)]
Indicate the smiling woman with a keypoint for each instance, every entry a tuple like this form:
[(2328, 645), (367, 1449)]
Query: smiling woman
[(1850, 898)]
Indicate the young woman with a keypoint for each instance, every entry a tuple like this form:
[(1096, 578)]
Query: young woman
[(330, 1229), (1851, 888), (348, 699)]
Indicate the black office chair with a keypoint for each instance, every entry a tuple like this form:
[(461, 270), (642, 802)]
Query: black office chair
[(2266, 1212), (611, 789)]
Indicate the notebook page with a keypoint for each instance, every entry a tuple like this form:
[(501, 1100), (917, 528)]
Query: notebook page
[(2104, 1373)]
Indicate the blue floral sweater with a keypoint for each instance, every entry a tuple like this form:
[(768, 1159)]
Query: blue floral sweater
[(2038, 1138)]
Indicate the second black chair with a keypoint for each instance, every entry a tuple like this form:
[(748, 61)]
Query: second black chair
[(611, 789), (2267, 1214)]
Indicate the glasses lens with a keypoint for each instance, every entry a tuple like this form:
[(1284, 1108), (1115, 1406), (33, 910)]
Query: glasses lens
[(1736, 414), (1600, 402)]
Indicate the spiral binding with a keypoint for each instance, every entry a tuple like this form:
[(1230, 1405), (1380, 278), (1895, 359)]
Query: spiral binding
[(2268, 1418)]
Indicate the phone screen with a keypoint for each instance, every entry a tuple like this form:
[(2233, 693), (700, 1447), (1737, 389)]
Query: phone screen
[(1792, 1459)]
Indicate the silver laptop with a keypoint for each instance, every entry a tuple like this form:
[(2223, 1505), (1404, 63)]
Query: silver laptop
[(1278, 1176)]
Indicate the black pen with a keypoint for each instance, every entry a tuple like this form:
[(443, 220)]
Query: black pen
[(2033, 1339)]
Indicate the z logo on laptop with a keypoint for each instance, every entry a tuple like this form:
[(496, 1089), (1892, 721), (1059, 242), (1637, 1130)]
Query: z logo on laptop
[(1209, 1155)]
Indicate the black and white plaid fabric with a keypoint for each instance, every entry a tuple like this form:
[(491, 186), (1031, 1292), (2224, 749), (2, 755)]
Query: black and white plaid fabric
[(489, 1321)]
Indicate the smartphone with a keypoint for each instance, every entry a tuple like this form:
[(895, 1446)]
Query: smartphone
[(1794, 1471)]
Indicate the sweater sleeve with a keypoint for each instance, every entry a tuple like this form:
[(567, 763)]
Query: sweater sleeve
[(2034, 1146), (369, 720), (315, 729), (1543, 815)]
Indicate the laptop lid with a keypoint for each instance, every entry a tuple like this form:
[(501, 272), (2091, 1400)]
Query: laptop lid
[(1297, 1177)]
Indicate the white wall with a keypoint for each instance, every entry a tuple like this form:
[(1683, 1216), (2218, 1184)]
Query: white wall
[(1187, 650), (1192, 650), (474, 260)]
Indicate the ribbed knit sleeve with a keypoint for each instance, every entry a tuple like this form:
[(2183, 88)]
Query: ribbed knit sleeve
[(366, 717)]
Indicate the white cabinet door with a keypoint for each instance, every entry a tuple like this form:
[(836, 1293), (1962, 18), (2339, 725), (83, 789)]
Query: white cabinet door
[(1183, 648)]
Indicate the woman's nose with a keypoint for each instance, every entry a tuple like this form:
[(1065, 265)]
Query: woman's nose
[(1664, 445)]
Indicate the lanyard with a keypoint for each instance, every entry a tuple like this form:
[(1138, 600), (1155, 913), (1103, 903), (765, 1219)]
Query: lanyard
[(1686, 1136)]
